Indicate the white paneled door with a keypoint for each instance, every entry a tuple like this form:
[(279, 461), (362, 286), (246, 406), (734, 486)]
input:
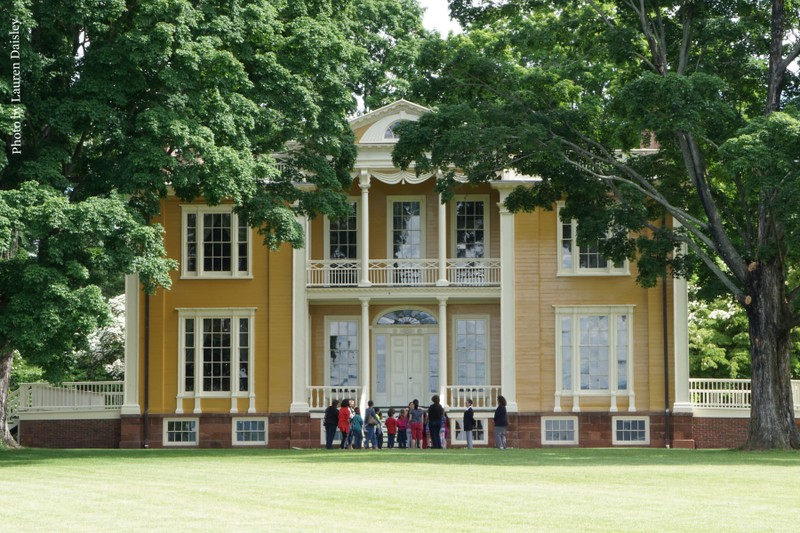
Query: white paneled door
[(409, 357)]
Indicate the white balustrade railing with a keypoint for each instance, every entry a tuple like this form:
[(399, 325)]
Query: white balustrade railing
[(403, 272), (728, 393), (473, 272), (482, 396), (320, 397), (85, 395)]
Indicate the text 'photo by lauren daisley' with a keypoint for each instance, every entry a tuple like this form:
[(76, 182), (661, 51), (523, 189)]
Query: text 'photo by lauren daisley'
[(17, 109)]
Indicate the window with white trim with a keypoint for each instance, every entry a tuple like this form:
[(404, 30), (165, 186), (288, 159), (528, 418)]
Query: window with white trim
[(342, 351), (574, 259), (594, 347), (471, 227), (181, 432), (406, 238), (215, 351), (216, 242), (341, 247), (249, 431), (560, 430), (471, 350), (630, 431), (458, 436)]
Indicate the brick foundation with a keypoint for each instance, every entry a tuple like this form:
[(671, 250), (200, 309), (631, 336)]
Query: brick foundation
[(81, 433), (720, 432)]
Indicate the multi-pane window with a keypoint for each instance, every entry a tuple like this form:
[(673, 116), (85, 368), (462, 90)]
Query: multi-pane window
[(216, 242), (216, 350), (343, 248), (180, 432), (343, 352), (583, 259), (470, 225), (249, 431), (560, 430), (407, 240), (343, 235), (594, 347), (630, 430), (472, 348), (479, 433), (407, 230)]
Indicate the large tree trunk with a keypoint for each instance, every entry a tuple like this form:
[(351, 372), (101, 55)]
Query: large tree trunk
[(6, 362), (772, 422)]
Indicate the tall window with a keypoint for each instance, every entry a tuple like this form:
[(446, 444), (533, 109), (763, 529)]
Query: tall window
[(472, 350), (343, 248), (595, 348), (343, 352), (343, 234), (470, 227), (216, 243), (407, 240), (216, 351), (407, 229), (587, 259)]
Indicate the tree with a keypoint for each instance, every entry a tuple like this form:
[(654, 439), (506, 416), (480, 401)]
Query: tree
[(568, 90), (107, 107), (389, 35)]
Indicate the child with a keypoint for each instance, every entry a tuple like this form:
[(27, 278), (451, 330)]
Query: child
[(391, 427), (356, 425), (402, 427), (379, 428), (443, 432)]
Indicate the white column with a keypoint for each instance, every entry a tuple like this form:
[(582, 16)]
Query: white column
[(130, 404), (365, 355), (442, 281), (363, 182), (443, 355), (508, 358), (680, 320), (299, 327)]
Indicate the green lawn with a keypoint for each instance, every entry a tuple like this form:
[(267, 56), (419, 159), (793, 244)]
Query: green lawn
[(379, 491)]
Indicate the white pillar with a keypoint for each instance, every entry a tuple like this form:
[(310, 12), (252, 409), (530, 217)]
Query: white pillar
[(130, 404), (365, 355), (442, 281), (363, 182), (443, 355), (508, 359), (299, 327), (680, 320)]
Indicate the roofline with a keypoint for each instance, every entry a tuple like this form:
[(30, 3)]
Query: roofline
[(359, 121)]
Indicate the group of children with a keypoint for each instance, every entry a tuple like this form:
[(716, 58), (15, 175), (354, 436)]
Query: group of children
[(368, 431)]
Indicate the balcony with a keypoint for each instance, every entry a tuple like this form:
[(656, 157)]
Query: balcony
[(404, 273)]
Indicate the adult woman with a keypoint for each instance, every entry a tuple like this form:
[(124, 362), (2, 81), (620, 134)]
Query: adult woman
[(416, 423), (330, 422), (344, 421), (500, 423)]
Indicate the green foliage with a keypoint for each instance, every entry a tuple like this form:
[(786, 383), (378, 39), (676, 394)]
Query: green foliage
[(124, 102)]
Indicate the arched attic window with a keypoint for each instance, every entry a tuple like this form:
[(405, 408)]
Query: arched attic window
[(389, 134), (406, 317)]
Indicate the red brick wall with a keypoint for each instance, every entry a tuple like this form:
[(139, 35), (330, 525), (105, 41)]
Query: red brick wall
[(720, 432), (285, 431), (595, 430), (69, 433)]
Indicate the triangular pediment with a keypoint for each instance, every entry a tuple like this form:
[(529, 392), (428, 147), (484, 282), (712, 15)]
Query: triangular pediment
[(374, 127)]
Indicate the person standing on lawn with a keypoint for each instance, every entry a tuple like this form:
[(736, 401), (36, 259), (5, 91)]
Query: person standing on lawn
[(468, 424), (391, 427), (344, 422), (435, 414), (416, 415), (500, 423), (330, 422)]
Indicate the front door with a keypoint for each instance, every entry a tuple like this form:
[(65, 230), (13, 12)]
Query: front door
[(408, 362)]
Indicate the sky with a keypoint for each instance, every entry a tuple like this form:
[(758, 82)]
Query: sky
[(437, 17)]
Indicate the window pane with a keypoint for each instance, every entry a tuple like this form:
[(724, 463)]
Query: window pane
[(471, 351), (343, 352)]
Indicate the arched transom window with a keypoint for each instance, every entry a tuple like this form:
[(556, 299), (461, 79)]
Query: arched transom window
[(406, 317)]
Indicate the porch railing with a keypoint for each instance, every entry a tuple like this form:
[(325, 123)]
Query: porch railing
[(320, 397), (403, 272), (482, 396), (71, 396), (728, 393)]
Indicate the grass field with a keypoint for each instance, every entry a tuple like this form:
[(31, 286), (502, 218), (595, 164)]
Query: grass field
[(392, 490)]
